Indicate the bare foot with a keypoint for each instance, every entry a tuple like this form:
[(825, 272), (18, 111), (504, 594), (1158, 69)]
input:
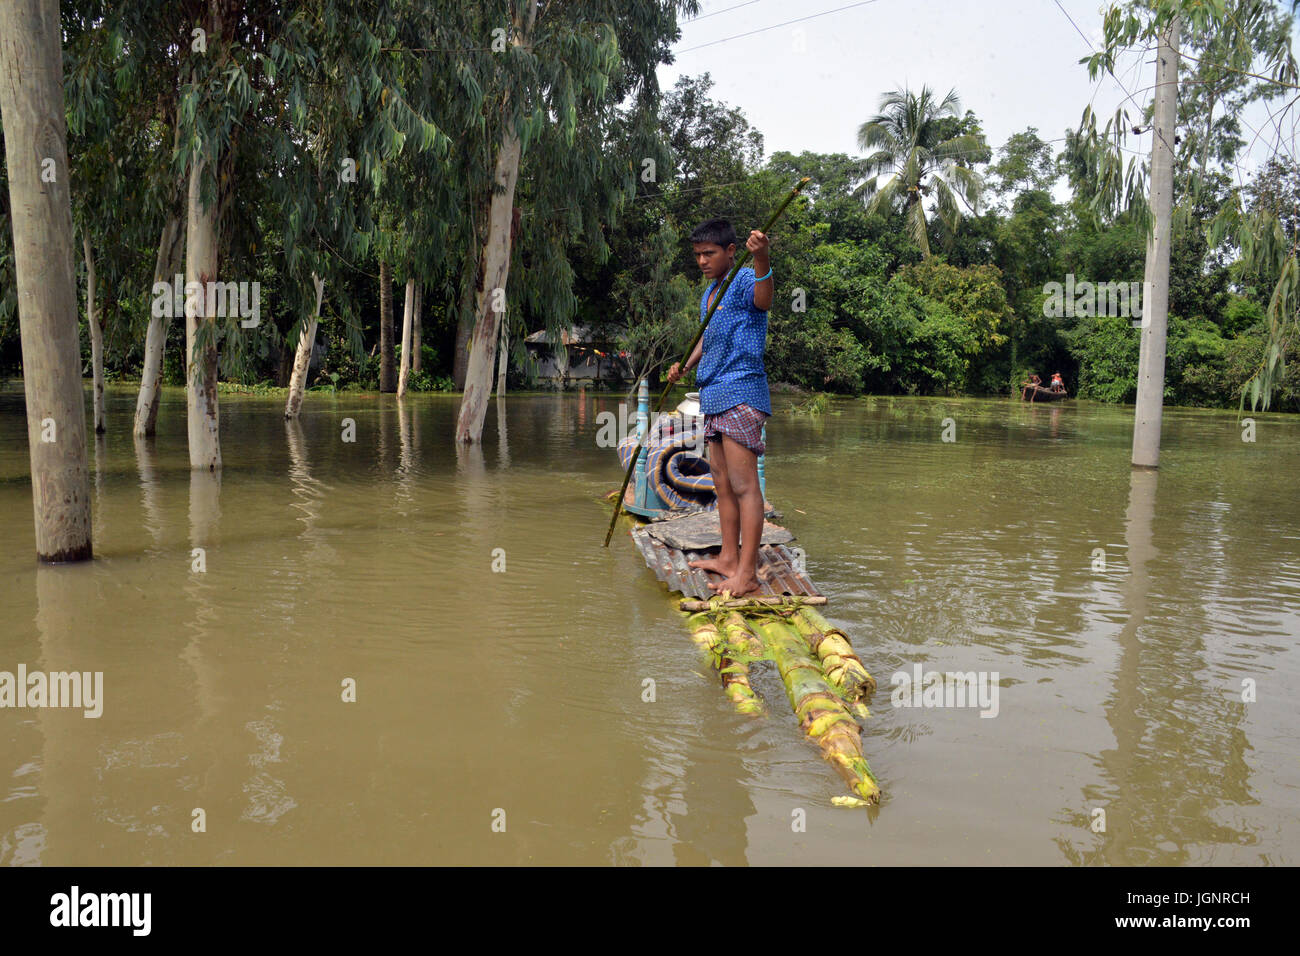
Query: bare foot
[(717, 565), (738, 584)]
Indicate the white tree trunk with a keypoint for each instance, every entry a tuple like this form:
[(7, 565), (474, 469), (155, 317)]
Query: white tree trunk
[(165, 266), (408, 318), (302, 357), (416, 333), (96, 338), (31, 102), (387, 369), (201, 369), (496, 268), (503, 358)]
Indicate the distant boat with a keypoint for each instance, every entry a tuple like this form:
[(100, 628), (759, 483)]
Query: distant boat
[(1036, 393)]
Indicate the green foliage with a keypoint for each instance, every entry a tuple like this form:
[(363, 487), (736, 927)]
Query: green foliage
[(287, 93), (1106, 351), (827, 346), (974, 295), (1218, 380), (330, 384), (1241, 314), (1025, 164)]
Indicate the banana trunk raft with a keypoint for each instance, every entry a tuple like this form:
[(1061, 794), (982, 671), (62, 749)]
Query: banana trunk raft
[(825, 681)]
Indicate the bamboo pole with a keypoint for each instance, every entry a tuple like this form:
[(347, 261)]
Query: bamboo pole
[(717, 299), (760, 603)]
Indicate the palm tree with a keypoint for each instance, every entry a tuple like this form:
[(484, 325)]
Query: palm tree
[(912, 140)]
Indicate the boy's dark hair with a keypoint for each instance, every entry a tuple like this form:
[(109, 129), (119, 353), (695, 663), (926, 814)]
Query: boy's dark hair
[(717, 231)]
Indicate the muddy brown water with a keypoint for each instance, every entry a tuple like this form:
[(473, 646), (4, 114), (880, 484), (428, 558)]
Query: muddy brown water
[(500, 713)]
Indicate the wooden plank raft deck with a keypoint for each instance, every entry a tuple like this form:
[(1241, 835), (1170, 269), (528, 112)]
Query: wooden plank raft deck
[(668, 547)]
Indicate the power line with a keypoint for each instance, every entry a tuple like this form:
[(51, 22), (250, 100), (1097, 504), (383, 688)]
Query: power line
[(1121, 85), (811, 16), (1088, 41), (705, 16)]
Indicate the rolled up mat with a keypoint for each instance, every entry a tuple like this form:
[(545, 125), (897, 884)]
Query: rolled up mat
[(675, 468)]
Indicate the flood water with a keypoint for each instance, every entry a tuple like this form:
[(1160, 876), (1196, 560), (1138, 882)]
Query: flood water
[(513, 698)]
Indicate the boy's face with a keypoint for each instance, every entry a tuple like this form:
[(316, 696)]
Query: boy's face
[(713, 260)]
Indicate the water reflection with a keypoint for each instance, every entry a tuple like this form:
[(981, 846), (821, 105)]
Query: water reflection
[(150, 488), (521, 688), (1179, 744), (503, 441), (204, 518)]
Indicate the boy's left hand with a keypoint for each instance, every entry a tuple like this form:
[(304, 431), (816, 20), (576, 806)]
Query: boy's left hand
[(757, 242)]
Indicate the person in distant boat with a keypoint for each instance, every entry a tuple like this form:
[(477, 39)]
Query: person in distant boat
[(1058, 383), (1034, 381)]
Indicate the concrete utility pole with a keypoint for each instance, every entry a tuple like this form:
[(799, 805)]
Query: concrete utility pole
[(1155, 310), (31, 101)]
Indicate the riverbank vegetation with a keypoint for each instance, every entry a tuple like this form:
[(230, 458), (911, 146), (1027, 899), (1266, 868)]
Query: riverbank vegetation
[(373, 154)]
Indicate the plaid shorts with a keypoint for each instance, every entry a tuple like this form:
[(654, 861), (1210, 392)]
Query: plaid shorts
[(741, 422)]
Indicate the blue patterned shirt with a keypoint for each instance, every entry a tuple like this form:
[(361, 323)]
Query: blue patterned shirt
[(731, 369)]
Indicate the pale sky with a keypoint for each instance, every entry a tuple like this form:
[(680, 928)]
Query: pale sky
[(1013, 62)]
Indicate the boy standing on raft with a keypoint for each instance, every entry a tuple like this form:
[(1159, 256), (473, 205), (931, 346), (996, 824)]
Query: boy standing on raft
[(733, 395)]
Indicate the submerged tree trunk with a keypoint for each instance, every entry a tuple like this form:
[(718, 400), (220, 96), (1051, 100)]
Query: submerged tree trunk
[(387, 368), (503, 358), (491, 298), (495, 259), (408, 319), (166, 264), (201, 367), (302, 357), (96, 339), (165, 267), (31, 102), (417, 329), (460, 362)]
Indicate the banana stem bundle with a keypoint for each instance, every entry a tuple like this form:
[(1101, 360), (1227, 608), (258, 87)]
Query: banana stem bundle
[(823, 678), (731, 660), (842, 668), (823, 715)]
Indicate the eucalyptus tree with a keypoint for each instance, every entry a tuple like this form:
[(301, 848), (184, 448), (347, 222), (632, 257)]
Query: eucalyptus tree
[(438, 68), (258, 132), (914, 143), (555, 85), (114, 136), (494, 260), (1219, 86), (31, 103), (362, 169), (127, 62), (94, 159), (323, 188), (218, 100)]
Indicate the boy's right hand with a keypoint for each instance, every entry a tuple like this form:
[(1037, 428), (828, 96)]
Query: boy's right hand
[(674, 373)]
